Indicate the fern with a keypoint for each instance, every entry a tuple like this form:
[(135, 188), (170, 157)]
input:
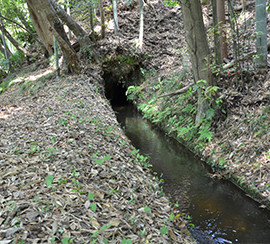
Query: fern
[(205, 133)]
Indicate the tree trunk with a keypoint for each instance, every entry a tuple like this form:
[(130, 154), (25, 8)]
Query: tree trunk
[(235, 35), (68, 12), (198, 48), (221, 25), (243, 2), (40, 23), (261, 39), (30, 32), (102, 19), (141, 24), (4, 50), (216, 36), (91, 13), (13, 41), (4, 47), (56, 56), (115, 17), (78, 31), (47, 24)]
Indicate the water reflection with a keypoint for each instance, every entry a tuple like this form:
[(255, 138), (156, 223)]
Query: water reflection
[(220, 212)]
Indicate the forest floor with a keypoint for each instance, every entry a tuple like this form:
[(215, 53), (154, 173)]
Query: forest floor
[(69, 172)]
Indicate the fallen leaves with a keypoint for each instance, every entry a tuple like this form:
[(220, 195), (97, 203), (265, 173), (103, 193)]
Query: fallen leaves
[(66, 173)]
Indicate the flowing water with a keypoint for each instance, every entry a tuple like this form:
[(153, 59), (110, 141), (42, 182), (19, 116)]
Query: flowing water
[(220, 212)]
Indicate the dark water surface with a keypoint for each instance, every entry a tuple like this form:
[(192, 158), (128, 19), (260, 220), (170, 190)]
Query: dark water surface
[(220, 212)]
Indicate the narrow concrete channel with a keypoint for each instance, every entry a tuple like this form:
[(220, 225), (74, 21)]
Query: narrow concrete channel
[(219, 212)]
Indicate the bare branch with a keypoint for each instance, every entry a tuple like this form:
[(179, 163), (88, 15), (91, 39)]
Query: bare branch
[(14, 22), (183, 90)]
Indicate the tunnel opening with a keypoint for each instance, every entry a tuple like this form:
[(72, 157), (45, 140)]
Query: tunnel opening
[(115, 92), (121, 70)]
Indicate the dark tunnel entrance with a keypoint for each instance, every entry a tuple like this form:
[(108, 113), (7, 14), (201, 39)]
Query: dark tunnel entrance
[(118, 75), (115, 92)]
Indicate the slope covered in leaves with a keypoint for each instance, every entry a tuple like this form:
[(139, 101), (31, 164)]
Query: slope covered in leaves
[(69, 174)]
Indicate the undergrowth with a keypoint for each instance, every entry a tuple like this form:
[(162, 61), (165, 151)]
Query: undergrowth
[(177, 113)]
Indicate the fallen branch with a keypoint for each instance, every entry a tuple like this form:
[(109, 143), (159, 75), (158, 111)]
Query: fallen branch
[(229, 65), (183, 90)]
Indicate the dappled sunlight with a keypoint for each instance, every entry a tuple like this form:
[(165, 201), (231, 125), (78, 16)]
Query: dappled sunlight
[(243, 18), (110, 25), (28, 75), (39, 75), (8, 110)]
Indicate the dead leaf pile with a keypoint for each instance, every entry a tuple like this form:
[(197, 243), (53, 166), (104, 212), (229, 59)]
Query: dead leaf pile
[(67, 172), (243, 139)]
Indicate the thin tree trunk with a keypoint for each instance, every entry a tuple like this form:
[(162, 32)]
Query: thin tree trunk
[(115, 17), (243, 2), (4, 44), (69, 54), (78, 31), (5, 51), (31, 33), (216, 39), (56, 56), (68, 12), (13, 41), (2, 49), (198, 48), (221, 26), (141, 24), (5, 47), (57, 28), (91, 13), (181, 91), (235, 35), (102, 19), (261, 39)]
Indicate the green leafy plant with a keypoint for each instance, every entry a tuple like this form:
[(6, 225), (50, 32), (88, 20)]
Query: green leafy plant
[(172, 217), (93, 206), (34, 148), (147, 209), (50, 152), (205, 132), (126, 241), (49, 180), (104, 227), (63, 122), (133, 91), (103, 159), (66, 240), (164, 230)]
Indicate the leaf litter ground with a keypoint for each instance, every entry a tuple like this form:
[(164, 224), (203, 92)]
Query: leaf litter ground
[(67, 171)]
